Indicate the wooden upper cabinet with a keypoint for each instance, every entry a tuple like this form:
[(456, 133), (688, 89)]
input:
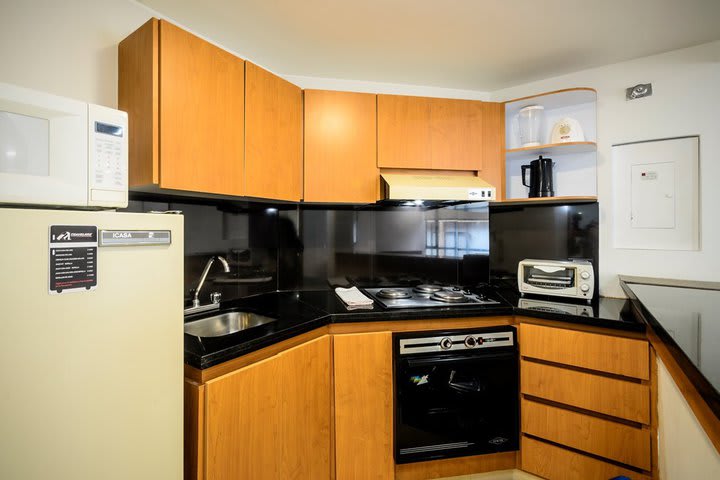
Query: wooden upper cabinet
[(403, 132), (456, 134), (430, 133), (340, 147), (185, 101), (273, 136)]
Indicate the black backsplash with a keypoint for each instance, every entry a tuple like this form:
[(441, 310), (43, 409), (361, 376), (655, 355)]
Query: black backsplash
[(547, 232), (272, 246)]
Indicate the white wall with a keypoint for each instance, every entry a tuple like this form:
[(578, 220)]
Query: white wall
[(684, 450), (686, 101), (69, 48), (66, 47)]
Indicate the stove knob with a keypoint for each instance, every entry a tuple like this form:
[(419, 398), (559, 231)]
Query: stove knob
[(446, 343), (585, 275), (480, 341), (584, 287), (470, 342)]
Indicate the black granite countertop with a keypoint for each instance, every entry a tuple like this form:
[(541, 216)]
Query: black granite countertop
[(685, 316), (299, 312)]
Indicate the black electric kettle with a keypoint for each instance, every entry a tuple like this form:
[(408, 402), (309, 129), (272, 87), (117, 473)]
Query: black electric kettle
[(541, 177)]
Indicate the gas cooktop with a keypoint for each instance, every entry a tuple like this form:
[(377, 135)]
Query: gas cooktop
[(425, 296)]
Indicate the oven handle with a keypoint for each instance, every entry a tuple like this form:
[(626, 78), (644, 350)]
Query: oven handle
[(419, 362)]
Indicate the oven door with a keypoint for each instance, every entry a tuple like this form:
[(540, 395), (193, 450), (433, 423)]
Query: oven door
[(454, 405)]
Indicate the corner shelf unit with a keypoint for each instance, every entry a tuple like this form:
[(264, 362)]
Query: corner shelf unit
[(575, 163)]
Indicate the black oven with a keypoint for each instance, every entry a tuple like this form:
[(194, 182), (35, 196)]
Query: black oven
[(456, 393)]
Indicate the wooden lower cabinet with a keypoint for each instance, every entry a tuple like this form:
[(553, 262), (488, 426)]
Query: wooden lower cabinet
[(363, 406), (555, 463), (323, 410), (271, 420), (620, 442), (586, 408)]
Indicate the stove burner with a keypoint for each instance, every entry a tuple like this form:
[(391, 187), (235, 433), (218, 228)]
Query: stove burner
[(393, 293), (427, 288), (448, 296)]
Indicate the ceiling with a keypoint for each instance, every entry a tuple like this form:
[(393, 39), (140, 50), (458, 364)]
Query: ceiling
[(464, 44)]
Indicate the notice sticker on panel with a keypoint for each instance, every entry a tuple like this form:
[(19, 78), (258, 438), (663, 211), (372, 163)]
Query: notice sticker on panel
[(73, 258)]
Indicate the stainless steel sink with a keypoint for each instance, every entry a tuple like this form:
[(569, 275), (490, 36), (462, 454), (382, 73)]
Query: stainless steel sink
[(225, 324)]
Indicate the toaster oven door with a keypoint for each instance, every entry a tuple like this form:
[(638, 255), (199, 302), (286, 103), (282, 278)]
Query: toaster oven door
[(549, 277)]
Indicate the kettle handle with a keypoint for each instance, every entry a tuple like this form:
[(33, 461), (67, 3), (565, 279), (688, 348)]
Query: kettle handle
[(523, 169)]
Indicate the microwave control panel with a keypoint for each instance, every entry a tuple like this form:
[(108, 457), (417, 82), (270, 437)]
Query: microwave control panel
[(108, 157)]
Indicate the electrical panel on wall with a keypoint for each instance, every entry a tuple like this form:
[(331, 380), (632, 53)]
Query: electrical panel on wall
[(656, 194)]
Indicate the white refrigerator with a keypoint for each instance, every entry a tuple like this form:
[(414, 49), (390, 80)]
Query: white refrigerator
[(91, 345)]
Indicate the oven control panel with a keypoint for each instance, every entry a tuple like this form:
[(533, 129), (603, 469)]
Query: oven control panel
[(465, 341)]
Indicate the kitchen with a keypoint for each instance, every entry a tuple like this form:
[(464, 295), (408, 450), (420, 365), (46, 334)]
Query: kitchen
[(304, 248)]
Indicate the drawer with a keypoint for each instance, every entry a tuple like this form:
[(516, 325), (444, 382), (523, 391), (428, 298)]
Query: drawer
[(611, 396), (622, 356), (557, 463), (605, 438)]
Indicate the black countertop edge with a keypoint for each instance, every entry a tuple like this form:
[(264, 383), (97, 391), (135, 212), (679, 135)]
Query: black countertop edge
[(590, 321), (315, 309), (704, 388)]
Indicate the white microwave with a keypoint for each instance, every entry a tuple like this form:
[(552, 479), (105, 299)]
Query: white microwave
[(59, 152)]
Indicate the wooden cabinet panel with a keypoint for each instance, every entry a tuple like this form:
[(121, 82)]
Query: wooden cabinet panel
[(616, 441), (621, 356), (242, 419), (201, 109), (340, 147), (193, 431), (363, 406), (618, 398), (403, 132), (271, 419), (430, 133), (493, 147), (137, 95), (273, 135), (305, 397), (456, 134), (556, 463)]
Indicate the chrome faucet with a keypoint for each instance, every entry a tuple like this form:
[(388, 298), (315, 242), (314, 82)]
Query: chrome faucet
[(196, 307)]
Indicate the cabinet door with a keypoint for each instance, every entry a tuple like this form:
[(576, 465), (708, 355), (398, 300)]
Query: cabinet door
[(241, 422), (340, 147), (271, 420), (404, 132), (305, 397), (456, 134), (201, 107), (430, 133), (363, 406), (273, 136)]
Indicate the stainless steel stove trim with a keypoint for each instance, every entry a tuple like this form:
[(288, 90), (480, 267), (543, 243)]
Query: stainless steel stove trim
[(409, 346), (420, 300)]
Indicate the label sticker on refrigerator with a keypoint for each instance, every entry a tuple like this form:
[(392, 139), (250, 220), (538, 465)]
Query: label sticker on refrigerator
[(73, 258), (134, 237)]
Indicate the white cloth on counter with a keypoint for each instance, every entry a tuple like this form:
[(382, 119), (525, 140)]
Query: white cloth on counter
[(353, 298)]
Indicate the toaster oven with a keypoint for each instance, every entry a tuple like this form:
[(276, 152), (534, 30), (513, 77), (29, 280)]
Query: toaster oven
[(574, 279)]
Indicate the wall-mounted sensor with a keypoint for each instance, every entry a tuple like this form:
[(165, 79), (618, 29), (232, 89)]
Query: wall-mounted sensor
[(638, 91)]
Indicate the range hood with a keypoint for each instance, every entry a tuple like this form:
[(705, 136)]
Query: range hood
[(397, 186)]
